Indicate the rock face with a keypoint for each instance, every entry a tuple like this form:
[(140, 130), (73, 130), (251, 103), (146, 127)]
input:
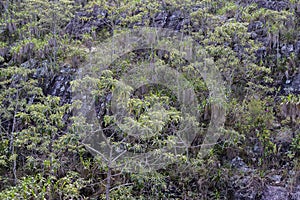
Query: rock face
[(86, 22), (53, 82), (275, 193), (280, 193), (287, 49), (245, 187), (293, 85), (257, 28), (296, 194), (297, 48), (171, 20), (239, 164), (59, 85), (98, 19), (273, 5)]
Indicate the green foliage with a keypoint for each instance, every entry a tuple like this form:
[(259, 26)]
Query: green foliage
[(228, 8), (296, 143), (39, 187), (41, 150)]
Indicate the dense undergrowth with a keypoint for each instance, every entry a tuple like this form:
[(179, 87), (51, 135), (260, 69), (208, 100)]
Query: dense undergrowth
[(43, 42)]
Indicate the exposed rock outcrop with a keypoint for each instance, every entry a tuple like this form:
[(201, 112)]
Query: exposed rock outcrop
[(280, 193), (292, 85), (88, 21), (273, 5), (53, 82)]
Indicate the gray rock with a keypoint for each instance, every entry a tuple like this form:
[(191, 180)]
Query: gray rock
[(275, 193), (250, 195), (30, 64), (296, 194), (293, 86), (261, 52), (59, 85), (272, 5), (281, 193), (297, 48), (175, 20), (276, 178), (257, 148), (52, 83), (244, 188), (253, 35), (98, 20), (42, 71), (284, 137), (254, 26), (176, 15), (4, 52), (287, 49), (238, 163), (2, 29), (257, 30), (160, 19)]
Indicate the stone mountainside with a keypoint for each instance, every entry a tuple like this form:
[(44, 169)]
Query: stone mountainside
[(176, 20), (58, 84)]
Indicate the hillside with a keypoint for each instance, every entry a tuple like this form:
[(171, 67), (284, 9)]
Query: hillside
[(139, 99)]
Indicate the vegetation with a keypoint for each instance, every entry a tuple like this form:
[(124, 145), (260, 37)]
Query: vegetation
[(43, 151)]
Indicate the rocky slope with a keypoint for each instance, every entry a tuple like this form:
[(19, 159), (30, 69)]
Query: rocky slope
[(234, 171)]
